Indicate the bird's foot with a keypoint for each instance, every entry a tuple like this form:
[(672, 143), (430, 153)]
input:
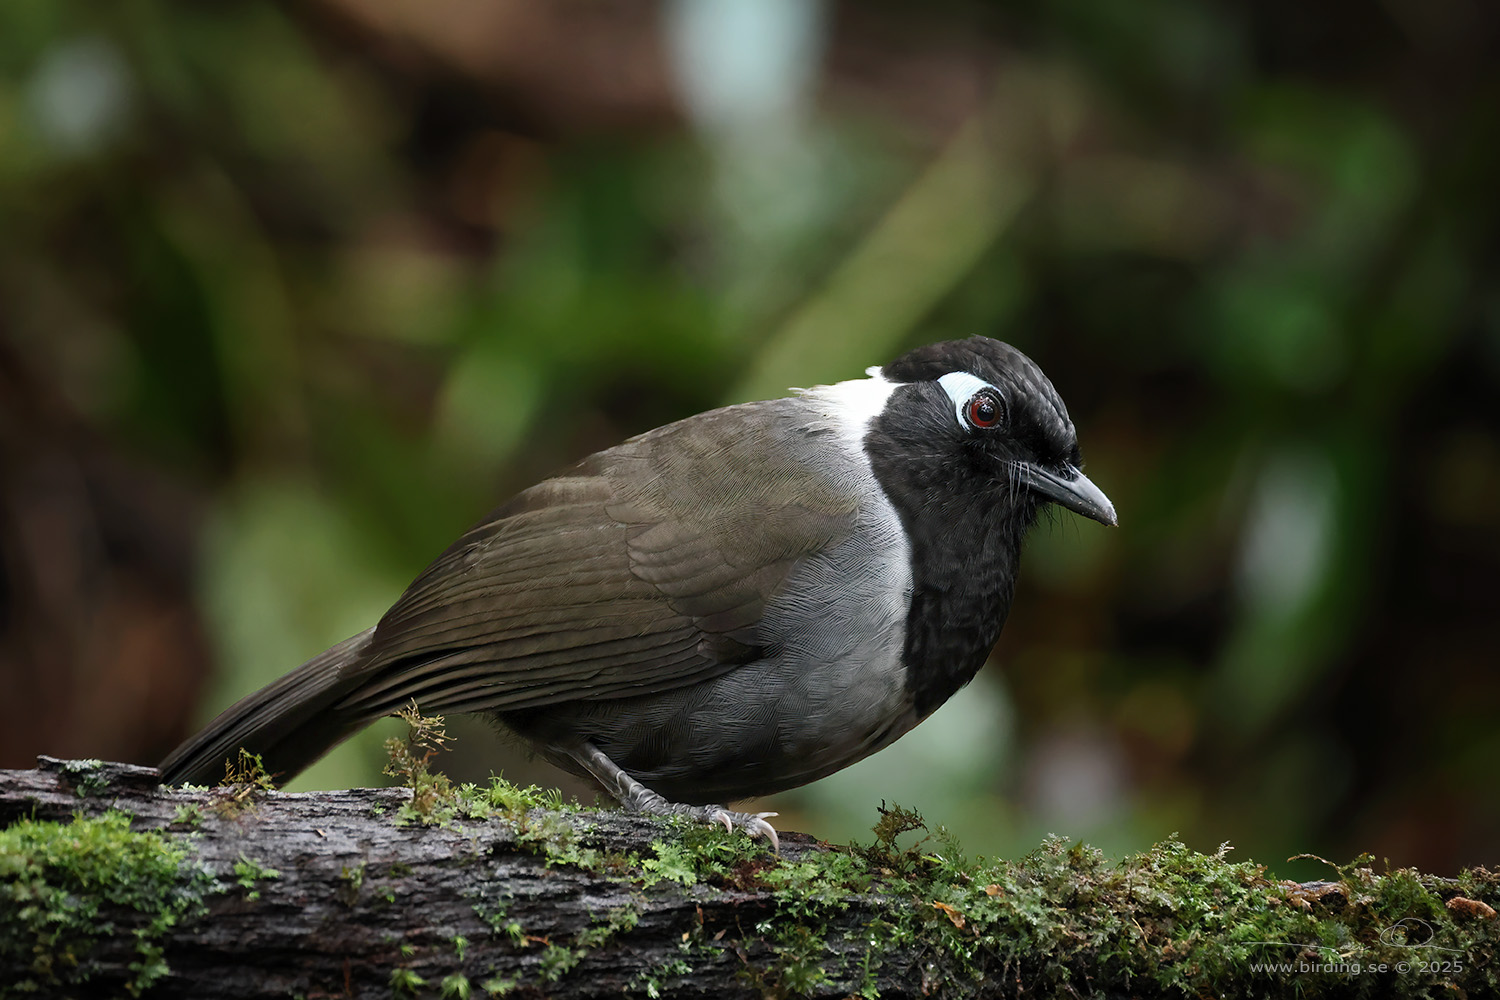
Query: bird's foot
[(638, 798), (649, 803), (753, 824)]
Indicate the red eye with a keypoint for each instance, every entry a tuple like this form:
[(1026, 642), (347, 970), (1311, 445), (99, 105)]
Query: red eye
[(984, 409)]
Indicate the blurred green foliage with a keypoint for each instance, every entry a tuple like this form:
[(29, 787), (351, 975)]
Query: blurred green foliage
[(311, 268)]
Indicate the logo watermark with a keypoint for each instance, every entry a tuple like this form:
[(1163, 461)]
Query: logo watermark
[(1413, 935)]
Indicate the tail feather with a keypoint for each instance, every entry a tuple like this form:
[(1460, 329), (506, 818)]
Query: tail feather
[(290, 722)]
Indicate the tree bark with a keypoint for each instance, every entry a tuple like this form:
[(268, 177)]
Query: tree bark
[(325, 894)]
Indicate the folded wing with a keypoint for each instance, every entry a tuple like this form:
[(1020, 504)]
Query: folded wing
[(646, 568)]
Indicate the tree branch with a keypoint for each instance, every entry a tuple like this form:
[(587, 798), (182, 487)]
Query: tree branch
[(108, 879)]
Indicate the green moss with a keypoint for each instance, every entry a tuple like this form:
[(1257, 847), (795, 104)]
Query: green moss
[(502, 798), (248, 871), (817, 884), (188, 814), (658, 978), (615, 921), (1062, 920), (245, 781), (353, 880), (434, 801), (87, 776), (799, 966), (696, 853), (496, 916), (672, 863), (557, 961), (405, 982), (63, 884), (539, 819), (1401, 894), (1066, 920), (499, 986), (535, 813), (558, 840)]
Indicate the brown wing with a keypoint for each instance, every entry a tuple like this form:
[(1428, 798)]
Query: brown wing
[(646, 569)]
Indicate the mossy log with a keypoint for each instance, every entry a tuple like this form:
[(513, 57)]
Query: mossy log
[(112, 885)]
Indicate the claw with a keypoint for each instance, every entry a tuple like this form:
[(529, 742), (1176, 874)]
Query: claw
[(636, 797), (754, 824), (758, 827)]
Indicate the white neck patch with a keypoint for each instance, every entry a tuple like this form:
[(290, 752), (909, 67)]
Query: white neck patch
[(856, 402), (960, 387)]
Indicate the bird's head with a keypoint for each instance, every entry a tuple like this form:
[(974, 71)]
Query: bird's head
[(977, 420)]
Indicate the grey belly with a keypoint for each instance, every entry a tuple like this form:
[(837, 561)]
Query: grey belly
[(759, 729), (832, 691)]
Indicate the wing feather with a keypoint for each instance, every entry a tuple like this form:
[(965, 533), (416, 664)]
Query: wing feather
[(645, 569)]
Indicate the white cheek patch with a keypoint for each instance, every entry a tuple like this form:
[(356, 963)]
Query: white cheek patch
[(960, 387)]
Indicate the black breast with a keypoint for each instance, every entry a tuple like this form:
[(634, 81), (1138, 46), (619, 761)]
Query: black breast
[(965, 528)]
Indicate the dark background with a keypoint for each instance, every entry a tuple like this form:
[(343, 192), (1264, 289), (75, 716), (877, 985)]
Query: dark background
[(290, 294)]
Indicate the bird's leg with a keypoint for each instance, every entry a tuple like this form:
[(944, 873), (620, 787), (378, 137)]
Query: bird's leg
[(638, 798)]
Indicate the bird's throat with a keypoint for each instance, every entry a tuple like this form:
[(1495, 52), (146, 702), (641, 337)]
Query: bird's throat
[(965, 549), (959, 603)]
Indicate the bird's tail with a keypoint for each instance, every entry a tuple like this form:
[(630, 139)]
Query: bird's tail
[(289, 723)]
